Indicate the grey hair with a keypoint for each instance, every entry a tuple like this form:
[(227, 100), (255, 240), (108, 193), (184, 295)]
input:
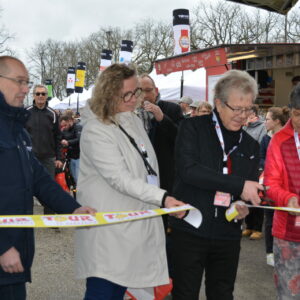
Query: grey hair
[(238, 80), (40, 86)]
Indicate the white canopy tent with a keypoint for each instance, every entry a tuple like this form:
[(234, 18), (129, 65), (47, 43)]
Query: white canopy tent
[(71, 101), (54, 101), (194, 83), (169, 88)]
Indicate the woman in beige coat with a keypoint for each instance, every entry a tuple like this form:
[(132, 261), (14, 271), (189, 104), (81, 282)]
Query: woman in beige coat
[(113, 177)]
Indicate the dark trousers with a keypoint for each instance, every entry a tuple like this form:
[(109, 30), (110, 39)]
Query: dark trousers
[(255, 219), (192, 255), (15, 291), (268, 230), (48, 163), (102, 289)]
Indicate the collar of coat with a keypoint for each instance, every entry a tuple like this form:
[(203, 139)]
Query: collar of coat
[(18, 114)]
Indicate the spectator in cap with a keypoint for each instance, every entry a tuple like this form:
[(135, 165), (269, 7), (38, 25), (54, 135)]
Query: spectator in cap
[(204, 108), (282, 177), (185, 103), (193, 108)]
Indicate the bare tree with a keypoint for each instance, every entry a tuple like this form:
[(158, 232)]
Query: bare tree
[(211, 24), (5, 38), (153, 40)]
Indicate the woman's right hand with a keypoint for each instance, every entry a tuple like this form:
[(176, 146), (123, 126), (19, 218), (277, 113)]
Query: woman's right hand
[(173, 202)]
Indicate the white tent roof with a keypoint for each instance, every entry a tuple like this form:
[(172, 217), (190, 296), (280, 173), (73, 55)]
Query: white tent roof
[(54, 101), (169, 88), (194, 83), (71, 101)]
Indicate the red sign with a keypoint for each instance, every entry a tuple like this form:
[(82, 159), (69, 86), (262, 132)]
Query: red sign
[(192, 61)]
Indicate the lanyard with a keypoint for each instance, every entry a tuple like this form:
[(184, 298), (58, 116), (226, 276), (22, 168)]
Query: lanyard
[(297, 142), (142, 153), (226, 163)]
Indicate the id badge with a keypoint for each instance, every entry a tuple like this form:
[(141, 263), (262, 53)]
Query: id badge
[(297, 221), (152, 179), (222, 199)]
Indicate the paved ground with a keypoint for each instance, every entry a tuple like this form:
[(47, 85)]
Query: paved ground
[(54, 278)]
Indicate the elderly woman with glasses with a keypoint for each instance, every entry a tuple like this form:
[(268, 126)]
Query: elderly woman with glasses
[(217, 164), (119, 172)]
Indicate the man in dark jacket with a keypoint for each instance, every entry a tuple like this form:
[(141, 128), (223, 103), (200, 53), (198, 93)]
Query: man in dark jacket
[(43, 127), (21, 178), (216, 164), (71, 132), (164, 120)]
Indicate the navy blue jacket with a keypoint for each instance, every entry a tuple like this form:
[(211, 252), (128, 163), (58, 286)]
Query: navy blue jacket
[(21, 178)]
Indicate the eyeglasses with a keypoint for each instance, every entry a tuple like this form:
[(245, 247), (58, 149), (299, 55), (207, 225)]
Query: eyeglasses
[(128, 96), (20, 82), (239, 111), (40, 94)]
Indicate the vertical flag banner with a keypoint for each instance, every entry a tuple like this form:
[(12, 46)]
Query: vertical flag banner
[(48, 84), (181, 29), (106, 56), (71, 81), (80, 77), (126, 51)]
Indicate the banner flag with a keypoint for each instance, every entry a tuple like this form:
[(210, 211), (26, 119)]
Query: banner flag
[(126, 51), (71, 80), (106, 57), (48, 84), (181, 29), (80, 77)]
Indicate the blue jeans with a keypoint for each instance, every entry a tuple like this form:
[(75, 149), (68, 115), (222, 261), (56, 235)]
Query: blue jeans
[(102, 289), (74, 167), (15, 291)]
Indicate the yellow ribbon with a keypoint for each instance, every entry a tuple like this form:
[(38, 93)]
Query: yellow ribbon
[(82, 220), (231, 212)]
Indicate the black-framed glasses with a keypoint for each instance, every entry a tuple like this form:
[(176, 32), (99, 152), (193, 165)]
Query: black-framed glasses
[(41, 94), (239, 111), (138, 92), (20, 82)]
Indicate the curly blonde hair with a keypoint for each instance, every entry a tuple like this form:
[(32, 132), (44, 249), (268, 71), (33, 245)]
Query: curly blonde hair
[(107, 91)]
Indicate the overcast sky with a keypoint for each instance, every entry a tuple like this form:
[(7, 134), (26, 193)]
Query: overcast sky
[(37, 20)]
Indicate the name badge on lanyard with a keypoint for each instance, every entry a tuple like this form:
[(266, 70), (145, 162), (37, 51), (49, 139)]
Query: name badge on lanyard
[(151, 178), (221, 198)]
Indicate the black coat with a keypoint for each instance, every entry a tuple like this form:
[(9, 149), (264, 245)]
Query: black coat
[(21, 178), (199, 164), (162, 136), (43, 127), (72, 135)]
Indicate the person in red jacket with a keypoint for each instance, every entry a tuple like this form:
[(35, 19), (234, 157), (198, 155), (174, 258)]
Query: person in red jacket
[(282, 176)]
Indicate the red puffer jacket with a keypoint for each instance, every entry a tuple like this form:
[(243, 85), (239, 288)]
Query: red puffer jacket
[(282, 149)]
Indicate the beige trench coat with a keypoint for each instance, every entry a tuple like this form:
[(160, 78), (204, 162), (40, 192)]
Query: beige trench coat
[(112, 177)]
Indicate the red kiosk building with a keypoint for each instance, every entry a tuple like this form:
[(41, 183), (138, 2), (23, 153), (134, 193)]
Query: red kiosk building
[(272, 65)]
